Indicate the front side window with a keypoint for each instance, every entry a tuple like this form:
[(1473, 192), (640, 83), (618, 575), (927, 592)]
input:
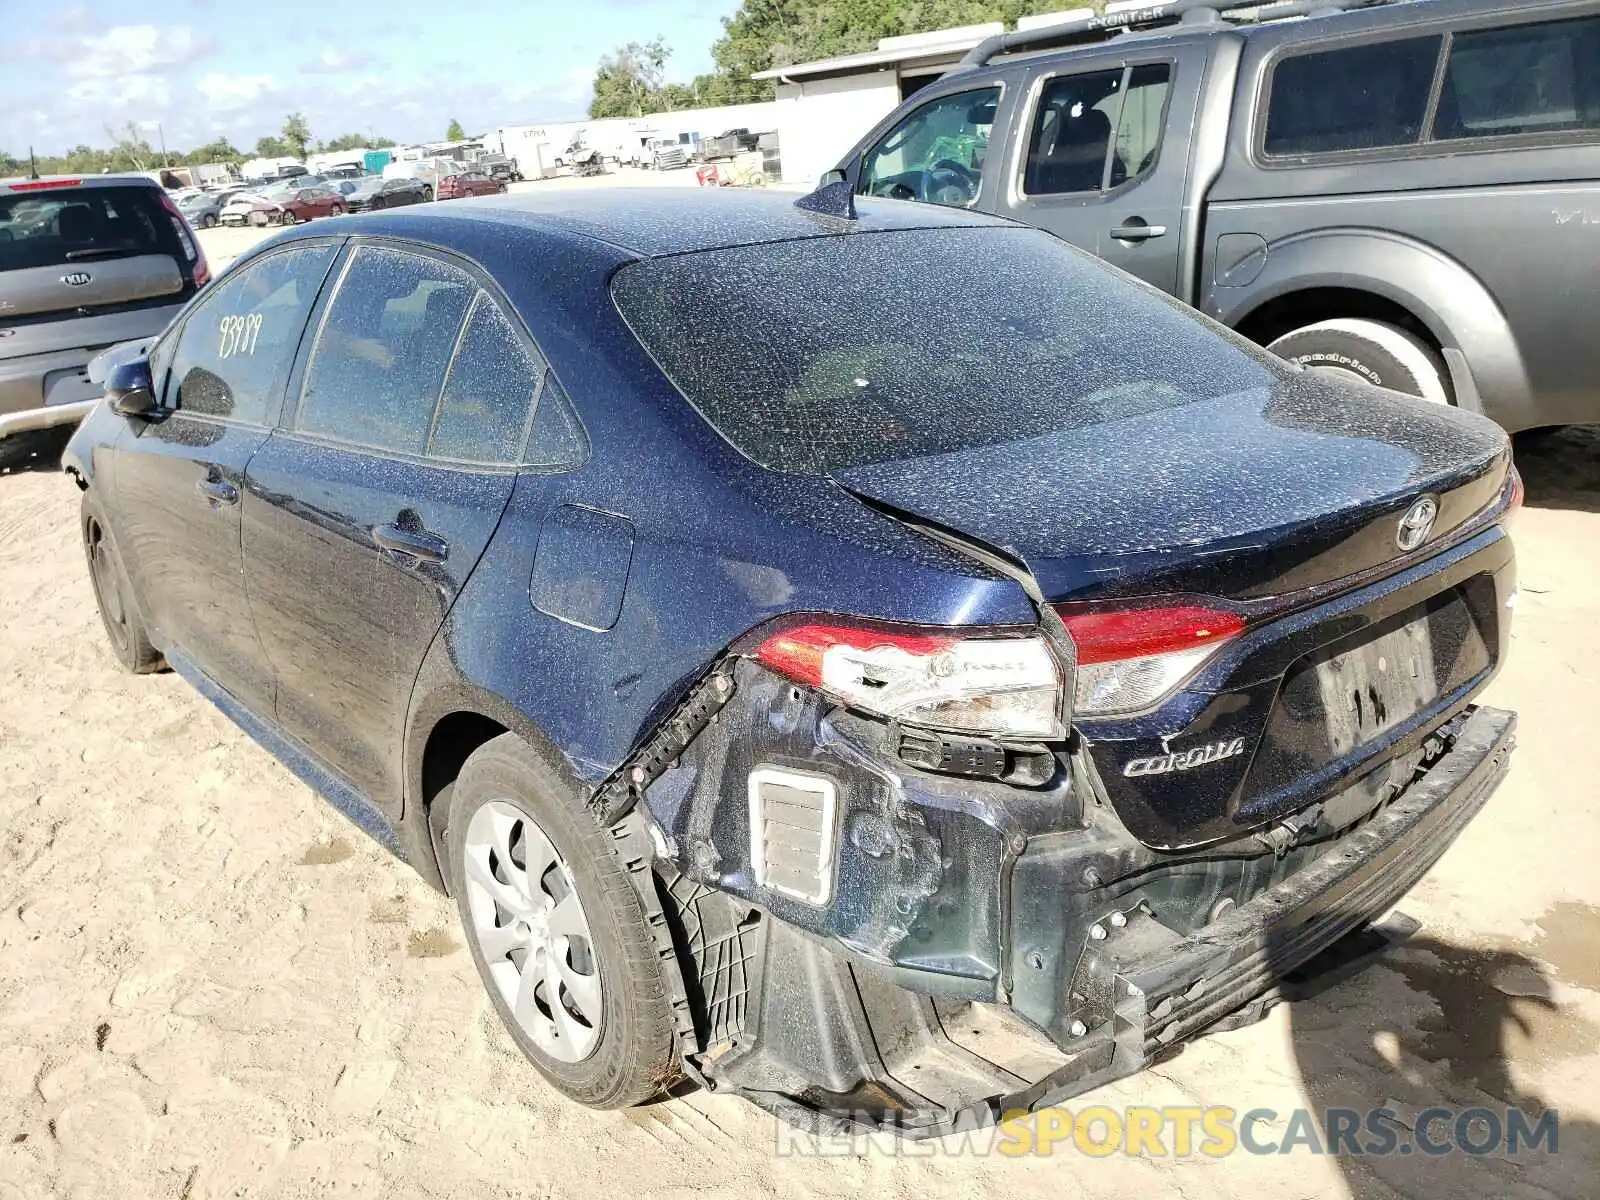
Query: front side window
[(1364, 97), (1542, 78), (1097, 130), (380, 359), (936, 153), (234, 352)]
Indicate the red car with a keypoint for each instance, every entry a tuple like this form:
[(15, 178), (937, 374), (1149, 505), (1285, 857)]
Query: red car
[(472, 183), (306, 203)]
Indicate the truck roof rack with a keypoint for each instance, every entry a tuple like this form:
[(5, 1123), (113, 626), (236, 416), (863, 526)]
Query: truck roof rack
[(1087, 30)]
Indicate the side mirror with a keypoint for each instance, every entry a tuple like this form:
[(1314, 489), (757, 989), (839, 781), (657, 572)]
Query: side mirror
[(836, 175), (130, 389)]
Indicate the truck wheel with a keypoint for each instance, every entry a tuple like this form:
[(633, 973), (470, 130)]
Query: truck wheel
[(556, 930), (130, 642), (1373, 352)]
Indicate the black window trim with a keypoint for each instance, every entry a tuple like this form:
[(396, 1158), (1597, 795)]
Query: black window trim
[(295, 389), (1000, 86), (1018, 173), (276, 405), (1426, 146)]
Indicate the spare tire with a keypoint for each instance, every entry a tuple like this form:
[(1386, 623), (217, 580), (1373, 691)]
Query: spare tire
[(1372, 352)]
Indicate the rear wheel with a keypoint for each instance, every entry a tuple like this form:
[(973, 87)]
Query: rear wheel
[(427, 195), (130, 642), (208, 221), (1371, 352), (556, 930)]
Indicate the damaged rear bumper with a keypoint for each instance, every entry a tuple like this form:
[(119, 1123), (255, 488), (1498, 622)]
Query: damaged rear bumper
[(828, 1039)]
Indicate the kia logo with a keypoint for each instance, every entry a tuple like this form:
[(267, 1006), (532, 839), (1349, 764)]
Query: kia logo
[(76, 278)]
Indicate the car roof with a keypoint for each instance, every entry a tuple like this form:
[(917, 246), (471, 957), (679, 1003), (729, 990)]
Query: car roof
[(24, 183), (658, 221)]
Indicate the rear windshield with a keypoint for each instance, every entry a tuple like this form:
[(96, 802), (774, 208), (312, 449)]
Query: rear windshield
[(826, 353), (68, 225)]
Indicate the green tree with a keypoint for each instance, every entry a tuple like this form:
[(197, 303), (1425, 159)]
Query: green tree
[(455, 133), (628, 81), (271, 147), (221, 150), (296, 134)]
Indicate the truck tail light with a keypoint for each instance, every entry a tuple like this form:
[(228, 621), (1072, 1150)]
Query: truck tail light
[(1130, 659), (1004, 686)]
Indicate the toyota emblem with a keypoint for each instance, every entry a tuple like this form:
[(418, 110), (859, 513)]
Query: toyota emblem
[(1417, 524)]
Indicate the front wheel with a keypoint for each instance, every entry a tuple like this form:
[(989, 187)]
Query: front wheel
[(130, 641), (288, 218), (1370, 352), (209, 221), (556, 929)]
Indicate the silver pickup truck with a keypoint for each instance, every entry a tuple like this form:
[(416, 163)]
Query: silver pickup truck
[(1402, 192)]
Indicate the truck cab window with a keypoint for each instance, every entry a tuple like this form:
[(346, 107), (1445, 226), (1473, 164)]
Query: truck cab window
[(936, 154)]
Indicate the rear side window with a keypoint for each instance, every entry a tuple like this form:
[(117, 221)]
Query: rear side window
[(1363, 97), (235, 349), (488, 397), (1097, 130), (63, 226), (383, 350), (824, 353), (1542, 78)]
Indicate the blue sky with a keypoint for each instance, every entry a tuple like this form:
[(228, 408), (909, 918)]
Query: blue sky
[(398, 68)]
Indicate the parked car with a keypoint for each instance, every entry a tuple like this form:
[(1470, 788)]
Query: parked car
[(200, 208), (428, 170), (1341, 188), (283, 206), (84, 263), (469, 183), (1033, 706), (374, 192)]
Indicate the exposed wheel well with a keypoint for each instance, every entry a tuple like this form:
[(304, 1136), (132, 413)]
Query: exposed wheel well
[(450, 744), (1299, 309)]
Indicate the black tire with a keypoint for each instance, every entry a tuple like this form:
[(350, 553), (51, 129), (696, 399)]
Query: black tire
[(209, 221), (427, 195), (635, 1058), (125, 630), (1372, 351)]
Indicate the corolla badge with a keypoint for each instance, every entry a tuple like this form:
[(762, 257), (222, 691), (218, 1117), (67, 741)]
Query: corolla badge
[(76, 278), (1184, 760), (1417, 524)]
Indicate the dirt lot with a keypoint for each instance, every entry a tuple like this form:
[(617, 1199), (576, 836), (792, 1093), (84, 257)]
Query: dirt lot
[(211, 985)]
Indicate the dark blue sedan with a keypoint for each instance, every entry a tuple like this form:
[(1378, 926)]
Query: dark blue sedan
[(883, 663)]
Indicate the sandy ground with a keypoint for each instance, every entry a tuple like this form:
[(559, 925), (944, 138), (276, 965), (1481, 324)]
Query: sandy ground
[(211, 985)]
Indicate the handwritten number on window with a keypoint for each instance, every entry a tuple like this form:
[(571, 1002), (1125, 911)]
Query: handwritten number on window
[(239, 334)]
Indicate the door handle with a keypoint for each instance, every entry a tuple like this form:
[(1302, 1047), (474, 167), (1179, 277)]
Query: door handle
[(219, 493), (1135, 229), (417, 545)]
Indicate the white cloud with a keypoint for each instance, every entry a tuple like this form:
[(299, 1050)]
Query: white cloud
[(232, 92), (130, 49)]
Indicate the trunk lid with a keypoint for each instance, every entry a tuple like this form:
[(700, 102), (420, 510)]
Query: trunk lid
[(1247, 495)]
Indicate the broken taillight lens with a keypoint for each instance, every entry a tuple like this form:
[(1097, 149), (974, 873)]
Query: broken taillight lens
[(1131, 659), (1004, 687)]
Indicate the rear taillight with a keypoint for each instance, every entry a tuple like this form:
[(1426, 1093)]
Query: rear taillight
[(1131, 659), (1518, 493), (42, 185), (198, 267), (1006, 687)]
